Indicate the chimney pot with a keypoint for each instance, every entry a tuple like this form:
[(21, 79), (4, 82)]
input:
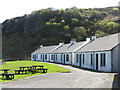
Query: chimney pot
[(73, 40), (93, 37), (60, 44), (87, 39), (41, 46)]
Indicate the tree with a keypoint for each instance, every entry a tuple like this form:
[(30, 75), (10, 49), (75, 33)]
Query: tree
[(80, 33), (74, 20)]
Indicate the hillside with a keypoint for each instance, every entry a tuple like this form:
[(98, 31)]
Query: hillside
[(22, 35)]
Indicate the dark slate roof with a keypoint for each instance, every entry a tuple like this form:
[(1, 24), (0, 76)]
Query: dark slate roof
[(102, 44), (69, 47), (44, 49)]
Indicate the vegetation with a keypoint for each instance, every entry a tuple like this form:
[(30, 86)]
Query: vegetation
[(14, 65), (22, 35)]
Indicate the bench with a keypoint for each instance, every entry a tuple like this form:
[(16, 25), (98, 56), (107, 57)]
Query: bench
[(32, 70), (8, 75), (23, 71), (43, 70)]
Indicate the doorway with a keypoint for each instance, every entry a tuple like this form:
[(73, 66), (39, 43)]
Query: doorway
[(80, 60), (96, 61)]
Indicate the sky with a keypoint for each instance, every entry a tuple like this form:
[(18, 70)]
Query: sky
[(14, 8)]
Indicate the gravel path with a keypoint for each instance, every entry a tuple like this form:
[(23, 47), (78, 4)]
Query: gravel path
[(78, 78)]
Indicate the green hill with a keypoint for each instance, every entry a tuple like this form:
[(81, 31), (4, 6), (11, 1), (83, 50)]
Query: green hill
[(22, 35)]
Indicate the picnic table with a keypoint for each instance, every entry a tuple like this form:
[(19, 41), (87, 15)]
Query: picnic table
[(5, 70), (35, 66), (43, 70), (23, 71), (8, 75), (22, 68)]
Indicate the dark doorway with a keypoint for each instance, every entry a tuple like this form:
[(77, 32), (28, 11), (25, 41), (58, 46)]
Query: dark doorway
[(80, 60), (96, 61), (43, 57), (64, 59)]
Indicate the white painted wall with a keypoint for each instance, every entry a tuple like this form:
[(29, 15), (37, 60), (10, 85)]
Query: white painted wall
[(59, 60), (87, 60), (107, 67)]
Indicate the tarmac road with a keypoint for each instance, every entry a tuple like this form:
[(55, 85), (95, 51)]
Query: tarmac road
[(78, 78)]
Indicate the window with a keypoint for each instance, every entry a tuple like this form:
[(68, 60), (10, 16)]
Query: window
[(77, 58), (46, 56), (91, 59), (56, 56), (52, 57), (35, 56), (64, 57), (103, 59), (83, 58), (67, 57), (41, 56), (80, 60)]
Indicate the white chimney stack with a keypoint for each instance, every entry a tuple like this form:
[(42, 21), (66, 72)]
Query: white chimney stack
[(73, 40), (93, 37), (41, 46), (60, 44), (87, 39)]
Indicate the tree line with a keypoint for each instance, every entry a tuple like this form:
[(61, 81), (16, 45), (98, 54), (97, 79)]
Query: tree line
[(22, 35)]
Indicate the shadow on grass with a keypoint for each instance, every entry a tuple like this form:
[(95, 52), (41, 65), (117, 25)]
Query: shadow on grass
[(116, 82), (5, 78)]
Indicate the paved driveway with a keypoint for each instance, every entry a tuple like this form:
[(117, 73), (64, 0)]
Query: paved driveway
[(78, 78)]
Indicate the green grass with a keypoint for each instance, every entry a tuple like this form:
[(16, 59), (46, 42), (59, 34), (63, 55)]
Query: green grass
[(12, 65)]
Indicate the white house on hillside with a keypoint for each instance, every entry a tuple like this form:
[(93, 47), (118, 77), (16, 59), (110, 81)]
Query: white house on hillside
[(65, 54), (100, 54), (42, 53)]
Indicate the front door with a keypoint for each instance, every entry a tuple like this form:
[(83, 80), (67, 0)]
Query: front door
[(80, 60), (64, 59), (96, 61)]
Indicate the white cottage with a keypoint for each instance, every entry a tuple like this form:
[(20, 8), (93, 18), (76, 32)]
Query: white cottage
[(42, 53), (65, 53), (100, 54)]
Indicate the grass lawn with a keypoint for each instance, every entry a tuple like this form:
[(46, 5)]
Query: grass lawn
[(12, 65)]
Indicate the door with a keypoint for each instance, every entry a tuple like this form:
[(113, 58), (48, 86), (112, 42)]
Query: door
[(80, 60), (64, 59), (96, 61)]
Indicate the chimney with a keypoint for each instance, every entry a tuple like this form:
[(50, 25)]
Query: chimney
[(87, 39), (93, 37), (41, 46), (60, 44), (73, 40)]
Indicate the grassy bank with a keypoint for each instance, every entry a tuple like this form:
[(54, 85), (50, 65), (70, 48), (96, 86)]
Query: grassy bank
[(16, 64)]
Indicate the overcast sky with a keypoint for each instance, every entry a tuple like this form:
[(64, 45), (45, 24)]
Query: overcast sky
[(13, 8)]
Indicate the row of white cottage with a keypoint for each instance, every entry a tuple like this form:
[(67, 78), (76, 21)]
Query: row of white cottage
[(100, 54)]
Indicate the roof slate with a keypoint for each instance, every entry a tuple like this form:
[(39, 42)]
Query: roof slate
[(68, 47), (45, 49), (102, 44)]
